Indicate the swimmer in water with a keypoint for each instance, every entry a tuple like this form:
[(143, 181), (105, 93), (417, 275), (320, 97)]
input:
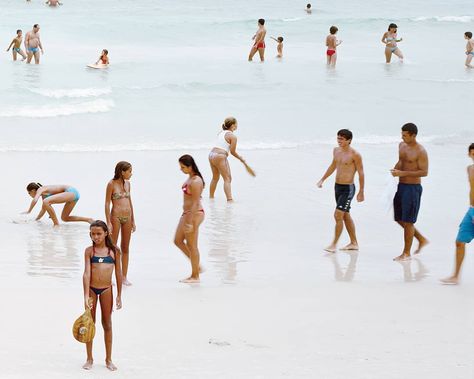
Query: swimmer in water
[(259, 44), (279, 40), (121, 220), (16, 43), (226, 143), (332, 43), (469, 49), (308, 9), (100, 260), (390, 40), (53, 3), (104, 58), (55, 194)]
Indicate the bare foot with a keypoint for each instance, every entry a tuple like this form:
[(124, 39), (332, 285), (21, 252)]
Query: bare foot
[(125, 282), (190, 280), (330, 249), (451, 280), (88, 364), (351, 246), (402, 257), (422, 244), (110, 366)]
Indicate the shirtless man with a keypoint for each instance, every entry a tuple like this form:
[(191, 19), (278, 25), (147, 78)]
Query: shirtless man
[(469, 49), (259, 39), (466, 229), (412, 165), (332, 43), (346, 161), (33, 44)]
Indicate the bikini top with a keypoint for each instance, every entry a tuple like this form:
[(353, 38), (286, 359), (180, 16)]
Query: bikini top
[(185, 189), (222, 142), (120, 195), (106, 259)]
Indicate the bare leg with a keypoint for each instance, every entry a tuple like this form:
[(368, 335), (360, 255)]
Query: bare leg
[(339, 218), (192, 245), (37, 57), (468, 61), (399, 54), (22, 53), (422, 241), (350, 227), (66, 214), (214, 181), (333, 60), (106, 305), (261, 52), (328, 60), (460, 251), (125, 246), (90, 359), (14, 54), (52, 214), (29, 57), (388, 55), (224, 171), (253, 51), (408, 234)]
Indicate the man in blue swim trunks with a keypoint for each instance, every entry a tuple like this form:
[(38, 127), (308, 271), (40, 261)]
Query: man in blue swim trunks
[(33, 44), (412, 165), (466, 229)]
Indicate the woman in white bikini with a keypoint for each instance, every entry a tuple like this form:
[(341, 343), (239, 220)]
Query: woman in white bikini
[(226, 143), (390, 40)]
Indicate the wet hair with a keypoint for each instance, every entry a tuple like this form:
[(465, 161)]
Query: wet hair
[(261, 21), (410, 128), (280, 39), (228, 122), (471, 147), (308, 5), (119, 168), (108, 240), (468, 35), (188, 161), (105, 51), (333, 29), (392, 25), (33, 186), (18, 31), (345, 133), (35, 25)]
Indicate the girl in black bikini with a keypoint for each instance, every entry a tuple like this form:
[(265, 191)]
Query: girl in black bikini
[(120, 220), (192, 217), (100, 260)]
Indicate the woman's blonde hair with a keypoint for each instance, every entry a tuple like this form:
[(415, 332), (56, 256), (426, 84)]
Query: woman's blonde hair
[(228, 122)]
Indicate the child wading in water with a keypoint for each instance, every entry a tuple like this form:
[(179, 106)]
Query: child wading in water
[(100, 259), (16, 43), (469, 49), (279, 46), (104, 58), (332, 43)]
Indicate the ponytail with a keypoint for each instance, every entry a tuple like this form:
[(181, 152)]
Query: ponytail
[(188, 161), (228, 122)]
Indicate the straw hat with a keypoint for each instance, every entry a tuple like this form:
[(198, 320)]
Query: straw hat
[(83, 329)]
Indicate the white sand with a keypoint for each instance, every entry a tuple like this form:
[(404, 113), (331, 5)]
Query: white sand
[(272, 304)]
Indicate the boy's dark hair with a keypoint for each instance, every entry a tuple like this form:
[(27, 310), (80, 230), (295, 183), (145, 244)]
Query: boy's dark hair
[(468, 35), (333, 29), (345, 133), (35, 25), (392, 25), (18, 31), (410, 128), (280, 39), (261, 21), (308, 5), (471, 147)]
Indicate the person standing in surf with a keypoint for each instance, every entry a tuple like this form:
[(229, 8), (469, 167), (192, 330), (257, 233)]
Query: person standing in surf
[(332, 43), (259, 44), (226, 143), (187, 232), (55, 194), (346, 162), (120, 219), (466, 228), (33, 45), (100, 260), (469, 49), (390, 40), (16, 44), (412, 165)]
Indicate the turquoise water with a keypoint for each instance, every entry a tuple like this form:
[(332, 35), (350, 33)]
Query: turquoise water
[(179, 68)]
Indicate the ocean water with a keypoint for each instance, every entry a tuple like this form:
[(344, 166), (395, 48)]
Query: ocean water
[(179, 68)]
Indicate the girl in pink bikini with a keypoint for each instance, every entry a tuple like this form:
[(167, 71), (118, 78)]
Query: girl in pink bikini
[(186, 237)]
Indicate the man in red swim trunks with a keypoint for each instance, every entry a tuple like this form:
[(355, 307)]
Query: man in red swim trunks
[(332, 43), (259, 39)]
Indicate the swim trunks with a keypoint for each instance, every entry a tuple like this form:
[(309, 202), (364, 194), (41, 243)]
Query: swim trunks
[(466, 228), (330, 52), (406, 202), (260, 45), (33, 49), (75, 192), (17, 49), (344, 195)]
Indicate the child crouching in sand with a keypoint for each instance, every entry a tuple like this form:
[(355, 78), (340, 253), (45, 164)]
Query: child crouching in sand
[(279, 46), (100, 259)]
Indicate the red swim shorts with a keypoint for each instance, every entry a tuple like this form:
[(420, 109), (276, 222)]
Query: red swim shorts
[(330, 52), (260, 45)]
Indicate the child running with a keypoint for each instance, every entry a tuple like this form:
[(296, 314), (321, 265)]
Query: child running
[(16, 43), (121, 220), (469, 49), (100, 259), (332, 43), (390, 40), (55, 194), (192, 217), (346, 162), (104, 58), (279, 40), (466, 228)]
